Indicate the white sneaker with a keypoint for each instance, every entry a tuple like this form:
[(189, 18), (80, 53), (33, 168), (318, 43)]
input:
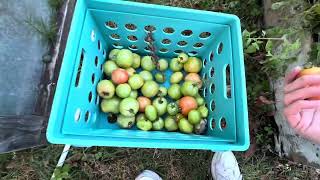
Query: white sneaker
[(148, 175), (224, 166)]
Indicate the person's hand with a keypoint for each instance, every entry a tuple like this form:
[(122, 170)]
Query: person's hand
[(303, 115)]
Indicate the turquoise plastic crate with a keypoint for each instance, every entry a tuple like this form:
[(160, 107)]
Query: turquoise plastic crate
[(99, 26)]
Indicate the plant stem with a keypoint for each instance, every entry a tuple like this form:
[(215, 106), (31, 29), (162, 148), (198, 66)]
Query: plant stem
[(276, 39)]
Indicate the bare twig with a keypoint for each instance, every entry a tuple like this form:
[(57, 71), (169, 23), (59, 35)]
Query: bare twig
[(152, 47)]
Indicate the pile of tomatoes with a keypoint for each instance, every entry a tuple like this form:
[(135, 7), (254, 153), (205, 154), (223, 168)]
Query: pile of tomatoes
[(134, 92)]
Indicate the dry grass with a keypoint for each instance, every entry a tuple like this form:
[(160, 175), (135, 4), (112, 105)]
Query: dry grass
[(127, 163)]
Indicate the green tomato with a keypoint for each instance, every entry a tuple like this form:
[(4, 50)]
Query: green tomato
[(197, 95), (124, 58), (150, 89), (178, 117), (151, 113), (172, 108), (136, 61), (194, 117), (160, 104), (162, 91), (110, 105), (185, 126), (105, 89), (200, 101), (108, 67), (130, 71), (136, 81), (134, 94), (129, 107), (175, 65), (147, 63), (163, 64), (176, 77), (144, 124), (183, 58), (113, 54), (125, 121), (158, 124), (146, 75), (203, 111), (189, 88), (174, 91), (123, 90), (140, 117), (193, 65), (170, 124), (160, 78)]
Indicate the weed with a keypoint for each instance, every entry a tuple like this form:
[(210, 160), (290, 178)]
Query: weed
[(250, 45), (47, 30), (61, 172), (265, 136), (36, 163), (315, 54), (55, 5), (280, 54)]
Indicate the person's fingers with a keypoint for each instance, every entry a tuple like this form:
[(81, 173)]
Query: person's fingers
[(292, 75), (301, 94), (306, 120), (297, 106), (309, 80), (294, 120), (312, 132), (315, 120)]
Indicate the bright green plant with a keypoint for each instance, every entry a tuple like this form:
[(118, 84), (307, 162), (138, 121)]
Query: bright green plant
[(251, 45), (61, 173), (47, 29), (265, 136)]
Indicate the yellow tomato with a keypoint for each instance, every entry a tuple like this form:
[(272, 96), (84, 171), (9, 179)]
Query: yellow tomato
[(311, 71)]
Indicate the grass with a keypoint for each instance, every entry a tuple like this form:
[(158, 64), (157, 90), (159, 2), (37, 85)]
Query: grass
[(36, 163), (104, 163), (127, 163), (267, 165), (47, 29)]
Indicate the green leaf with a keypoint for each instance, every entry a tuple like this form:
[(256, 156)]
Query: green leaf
[(256, 45), (269, 54), (269, 46), (278, 5), (290, 49), (250, 50), (66, 168), (248, 42), (259, 42), (245, 33), (98, 155), (253, 32)]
